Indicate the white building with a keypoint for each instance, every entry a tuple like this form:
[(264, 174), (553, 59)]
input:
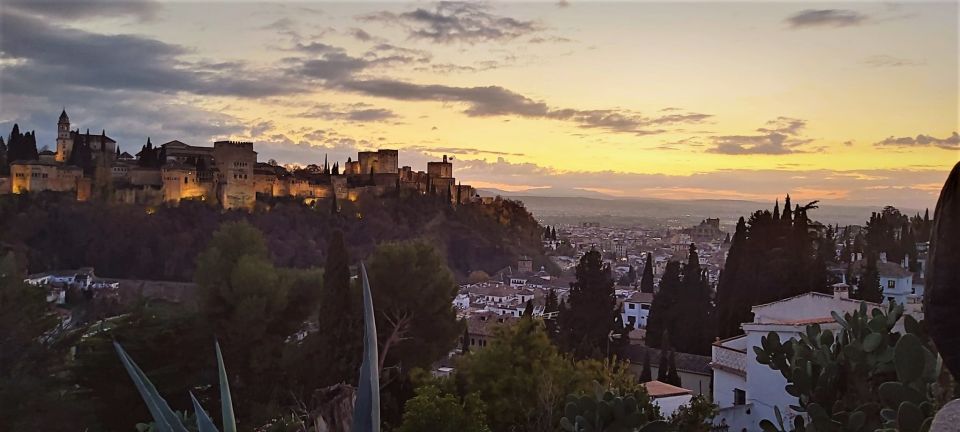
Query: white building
[(746, 391), (668, 397), (635, 307), (895, 279)]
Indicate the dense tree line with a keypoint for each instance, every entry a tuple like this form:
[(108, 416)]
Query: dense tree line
[(771, 257), (19, 146), (128, 241), (682, 312)]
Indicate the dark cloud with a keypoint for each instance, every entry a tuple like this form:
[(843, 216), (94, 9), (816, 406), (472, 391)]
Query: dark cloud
[(360, 34), (49, 57), (879, 61), (826, 18), (385, 54), (463, 22), (951, 142), (261, 127), (72, 9), (498, 101), (332, 66), (317, 48), (784, 125), (355, 112), (778, 137)]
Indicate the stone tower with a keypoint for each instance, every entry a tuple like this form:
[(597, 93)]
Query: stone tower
[(64, 142)]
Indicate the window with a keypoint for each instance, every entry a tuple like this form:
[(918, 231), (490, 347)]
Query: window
[(891, 284), (631, 306), (185, 180), (739, 397), (645, 306), (632, 320), (890, 299)]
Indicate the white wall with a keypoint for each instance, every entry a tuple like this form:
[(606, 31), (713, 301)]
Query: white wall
[(669, 405)]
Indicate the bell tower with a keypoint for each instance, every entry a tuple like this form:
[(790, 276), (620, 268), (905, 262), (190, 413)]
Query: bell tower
[(64, 143)]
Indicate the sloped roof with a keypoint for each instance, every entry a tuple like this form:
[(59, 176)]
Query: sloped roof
[(658, 389), (686, 362)]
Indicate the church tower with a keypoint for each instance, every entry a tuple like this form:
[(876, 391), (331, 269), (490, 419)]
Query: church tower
[(64, 142)]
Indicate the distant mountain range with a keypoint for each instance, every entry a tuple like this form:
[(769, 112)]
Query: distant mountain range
[(559, 206)]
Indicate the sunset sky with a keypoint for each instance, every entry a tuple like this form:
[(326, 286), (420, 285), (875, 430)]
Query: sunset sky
[(844, 102)]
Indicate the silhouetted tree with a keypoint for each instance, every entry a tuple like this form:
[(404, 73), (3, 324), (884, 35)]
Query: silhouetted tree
[(646, 280), (593, 311)]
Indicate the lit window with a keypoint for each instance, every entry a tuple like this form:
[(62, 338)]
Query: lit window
[(891, 284)]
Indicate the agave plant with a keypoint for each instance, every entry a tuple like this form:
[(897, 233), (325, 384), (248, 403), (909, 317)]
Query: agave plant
[(164, 418), (366, 408)]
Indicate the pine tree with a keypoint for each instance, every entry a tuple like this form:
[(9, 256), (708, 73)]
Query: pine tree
[(553, 233), (646, 280)]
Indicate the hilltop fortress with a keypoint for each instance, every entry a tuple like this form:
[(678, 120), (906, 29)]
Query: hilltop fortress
[(227, 174)]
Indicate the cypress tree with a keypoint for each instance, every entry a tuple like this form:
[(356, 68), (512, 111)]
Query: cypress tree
[(551, 305), (868, 288), (646, 280), (787, 219), (593, 310), (465, 339), (528, 310), (661, 317), (339, 319), (733, 306), (776, 210), (646, 375), (4, 163), (673, 378), (663, 367)]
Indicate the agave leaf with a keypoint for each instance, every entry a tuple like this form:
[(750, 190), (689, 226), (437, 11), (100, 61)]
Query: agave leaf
[(366, 409), (226, 401), (164, 418), (204, 423)]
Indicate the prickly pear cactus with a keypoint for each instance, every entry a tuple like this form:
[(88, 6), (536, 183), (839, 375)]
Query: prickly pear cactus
[(866, 377), (607, 412)]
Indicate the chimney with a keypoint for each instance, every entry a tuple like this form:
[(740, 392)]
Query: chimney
[(853, 257), (883, 257), (841, 291), (859, 256), (906, 261)]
